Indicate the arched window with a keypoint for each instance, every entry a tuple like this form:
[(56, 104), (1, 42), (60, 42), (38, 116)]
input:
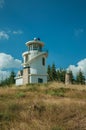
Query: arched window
[(43, 61)]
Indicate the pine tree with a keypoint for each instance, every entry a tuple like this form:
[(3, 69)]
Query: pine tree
[(71, 77), (80, 78), (53, 72), (62, 75), (11, 78), (59, 75), (49, 73)]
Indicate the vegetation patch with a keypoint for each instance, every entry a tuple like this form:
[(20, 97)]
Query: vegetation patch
[(20, 95), (57, 128), (28, 108), (57, 92), (33, 88), (5, 116)]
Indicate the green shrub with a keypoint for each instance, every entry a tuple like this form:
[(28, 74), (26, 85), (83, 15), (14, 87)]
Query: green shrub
[(57, 128), (56, 92), (20, 95)]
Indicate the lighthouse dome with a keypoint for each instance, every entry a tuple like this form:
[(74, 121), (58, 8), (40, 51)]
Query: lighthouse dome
[(35, 44)]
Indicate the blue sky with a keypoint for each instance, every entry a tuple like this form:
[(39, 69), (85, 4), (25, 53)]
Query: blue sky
[(61, 24)]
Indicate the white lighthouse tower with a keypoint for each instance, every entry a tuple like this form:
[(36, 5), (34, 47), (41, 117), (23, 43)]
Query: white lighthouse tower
[(34, 64)]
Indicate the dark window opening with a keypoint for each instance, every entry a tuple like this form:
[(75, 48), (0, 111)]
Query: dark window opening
[(43, 61), (40, 80)]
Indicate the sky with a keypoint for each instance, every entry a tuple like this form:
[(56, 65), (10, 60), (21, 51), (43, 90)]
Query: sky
[(60, 24)]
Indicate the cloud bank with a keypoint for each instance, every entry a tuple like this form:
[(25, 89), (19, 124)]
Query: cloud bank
[(7, 62), (81, 65), (4, 75)]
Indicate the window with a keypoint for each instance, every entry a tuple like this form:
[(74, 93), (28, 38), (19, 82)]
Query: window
[(43, 61), (40, 80), (26, 58), (28, 70), (40, 48), (30, 47), (35, 46)]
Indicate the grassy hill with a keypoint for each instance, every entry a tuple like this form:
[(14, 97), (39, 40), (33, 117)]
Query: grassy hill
[(52, 106)]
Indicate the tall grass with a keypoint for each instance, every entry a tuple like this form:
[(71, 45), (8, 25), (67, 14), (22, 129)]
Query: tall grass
[(43, 107)]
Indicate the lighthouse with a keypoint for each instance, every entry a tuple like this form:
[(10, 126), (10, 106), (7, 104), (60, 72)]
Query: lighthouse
[(34, 64)]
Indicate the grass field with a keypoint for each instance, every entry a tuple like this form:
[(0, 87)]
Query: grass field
[(52, 106)]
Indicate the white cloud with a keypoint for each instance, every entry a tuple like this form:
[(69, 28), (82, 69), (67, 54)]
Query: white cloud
[(4, 35), (4, 75), (7, 61), (17, 32), (81, 65), (78, 32), (2, 2)]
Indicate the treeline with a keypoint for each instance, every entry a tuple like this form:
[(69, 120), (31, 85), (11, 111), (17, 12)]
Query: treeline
[(59, 75), (10, 80), (53, 75)]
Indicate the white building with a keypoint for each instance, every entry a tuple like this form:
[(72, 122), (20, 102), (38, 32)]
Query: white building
[(34, 64)]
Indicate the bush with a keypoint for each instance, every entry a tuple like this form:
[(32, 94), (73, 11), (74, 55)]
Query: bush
[(57, 92), (20, 95), (57, 128)]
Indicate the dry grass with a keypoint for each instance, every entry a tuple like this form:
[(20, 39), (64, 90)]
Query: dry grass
[(52, 106)]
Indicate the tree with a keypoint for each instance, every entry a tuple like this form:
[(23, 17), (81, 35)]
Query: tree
[(10, 80), (49, 73), (62, 75), (12, 77), (71, 77), (59, 75), (80, 78), (53, 72)]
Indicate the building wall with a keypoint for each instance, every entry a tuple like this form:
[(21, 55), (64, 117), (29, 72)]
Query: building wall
[(33, 53), (36, 67), (34, 78), (38, 70), (19, 81)]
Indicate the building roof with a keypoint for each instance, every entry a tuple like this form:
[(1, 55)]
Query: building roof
[(35, 41)]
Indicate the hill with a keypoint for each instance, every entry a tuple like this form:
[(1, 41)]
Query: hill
[(52, 106)]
